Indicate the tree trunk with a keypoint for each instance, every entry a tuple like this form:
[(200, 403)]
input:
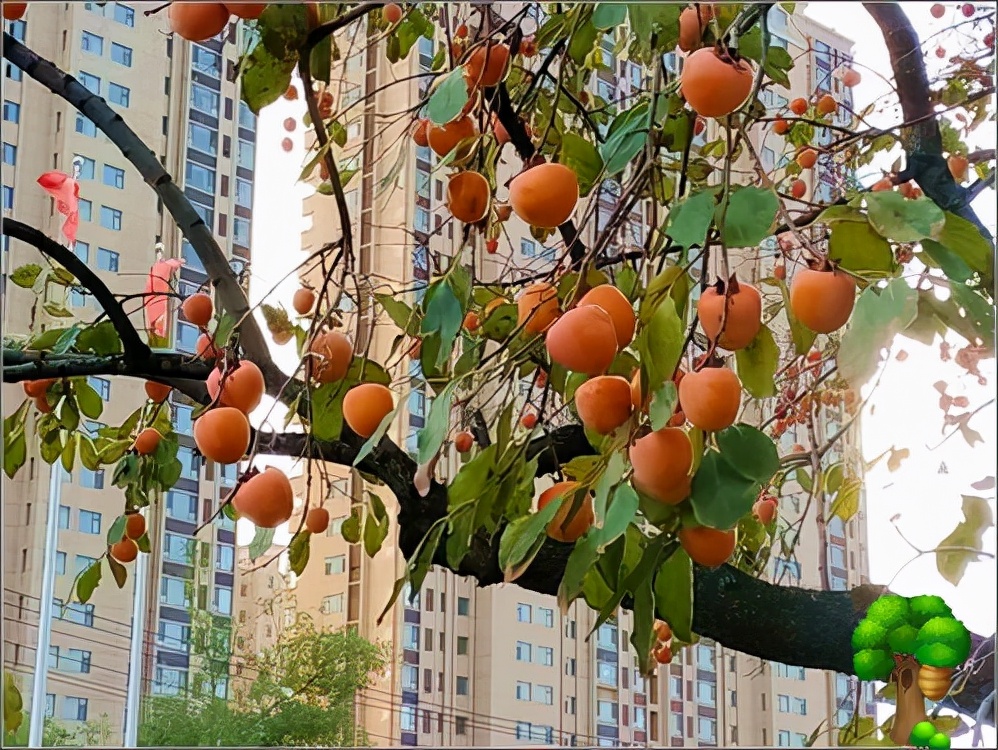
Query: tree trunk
[(910, 701)]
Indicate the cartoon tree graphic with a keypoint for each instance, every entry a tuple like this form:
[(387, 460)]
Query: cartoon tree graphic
[(914, 643)]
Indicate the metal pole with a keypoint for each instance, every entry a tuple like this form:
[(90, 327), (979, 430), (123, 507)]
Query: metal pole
[(133, 696), (36, 721)]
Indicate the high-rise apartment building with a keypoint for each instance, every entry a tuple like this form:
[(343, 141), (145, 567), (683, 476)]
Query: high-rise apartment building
[(502, 665), (183, 101)]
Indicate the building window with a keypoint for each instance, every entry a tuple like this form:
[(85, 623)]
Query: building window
[(63, 516), (101, 385), (92, 43), (246, 117), (82, 562), (606, 673), (223, 600), (85, 126), (124, 15), (12, 71), (706, 693), (74, 709), (225, 557), (545, 656), (107, 260), (545, 617), (462, 685), (199, 177), (410, 636), (335, 565), (87, 166), (570, 666), (706, 729), (332, 604), (422, 220), (523, 651), (110, 218), (523, 612), (705, 657), (9, 154), (73, 660), (187, 337), (606, 712), (241, 231), (523, 691), (606, 636), (121, 54), (410, 677), (118, 94), (462, 645), (90, 82), (245, 154), (639, 718), (17, 29), (207, 214), (173, 591), (407, 721), (82, 250), (60, 563), (11, 111), (205, 61), (114, 177), (90, 522), (244, 193), (182, 506), (169, 681), (202, 138), (49, 705), (81, 614), (523, 730), (463, 605), (8, 197), (528, 248), (204, 99), (178, 549), (570, 705), (544, 694)]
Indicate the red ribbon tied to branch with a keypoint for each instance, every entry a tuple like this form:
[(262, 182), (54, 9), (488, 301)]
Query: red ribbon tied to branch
[(66, 192), (157, 286)]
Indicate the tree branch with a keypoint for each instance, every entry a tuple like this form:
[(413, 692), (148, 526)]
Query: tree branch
[(135, 348), (230, 294)]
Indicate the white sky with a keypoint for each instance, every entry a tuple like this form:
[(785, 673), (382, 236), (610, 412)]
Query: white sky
[(904, 412)]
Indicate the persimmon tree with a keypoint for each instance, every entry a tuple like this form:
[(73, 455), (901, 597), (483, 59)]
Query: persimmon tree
[(669, 504)]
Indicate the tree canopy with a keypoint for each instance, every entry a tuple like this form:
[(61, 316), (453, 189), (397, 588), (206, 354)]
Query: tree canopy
[(647, 383)]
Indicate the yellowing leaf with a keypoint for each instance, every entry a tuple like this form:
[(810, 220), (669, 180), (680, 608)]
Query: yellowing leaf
[(897, 456), (959, 547), (846, 502)]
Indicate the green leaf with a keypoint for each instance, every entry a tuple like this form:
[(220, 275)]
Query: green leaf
[(856, 246), (955, 268), (327, 410), (262, 539), (444, 317), (461, 527), (298, 551), (963, 238), (13, 705), (400, 313), (523, 539), (449, 98), (126, 472), (376, 526), (580, 562), (609, 15), (625, 141), (846, 502), (25, 276), (264, 78), (623, 509), (46, 340), (803, 479), (643, 625), (471, 481), (117, 531), (749, 451), (582, 158), (351, 527), (902, 220), (833, 477), (432, 435), (660, 345), (113, 451), (169, 472), (69, 453), (101, 339), (143, 543), (51, 447), (68, 339), (690, 219), (663, 405), (757, 364), (422, 560), (674, 594), (878, 316), (969, 534), (88, 582), (15, 452), (118, 571), (749, 217), (57, 310), (372, 442), (91, 404)]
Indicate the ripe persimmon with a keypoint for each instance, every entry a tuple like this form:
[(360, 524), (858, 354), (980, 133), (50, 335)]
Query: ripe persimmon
[(604, 403), (692, 23), (463, 441), (487, 64), (662, 630), (529, 420), (744, 314), (14, 11), (291, 94), (266, 499), (248, 11), (798, 106), (42, 404), (157, 392), (135, 525), (714, 86), (798, 188), (468, 196), (662, 461), (222, 434), (392, 13), (663, 654), (807, 158), (910, 190), (364, 407), (822, 300), (826, 105), (317, 520), (198, 309), (536, 307), (205, 347), (957, 166), (147, 441), (420, 133), (706, 546), (461, 32), (617, 306), (582, 520), (544, 196), (125, 551), (199, 21), (884, 184), (637, 402), (241, 387), (471, 322), (583, 340), (780, 271), (711, 398), (303, 301), (36, 388), (851, 77), (331, 355), (781, 126), (443, 139), (765, 509)]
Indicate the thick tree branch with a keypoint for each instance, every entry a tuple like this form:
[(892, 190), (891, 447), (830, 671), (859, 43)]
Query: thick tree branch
[(135, 348), (230, 294), (922, 140)]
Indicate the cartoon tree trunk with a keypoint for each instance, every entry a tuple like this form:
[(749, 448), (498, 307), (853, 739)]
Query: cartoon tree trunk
[(910, 700)]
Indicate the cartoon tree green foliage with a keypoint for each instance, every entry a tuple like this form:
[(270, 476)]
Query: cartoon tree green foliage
[(914, 643)]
